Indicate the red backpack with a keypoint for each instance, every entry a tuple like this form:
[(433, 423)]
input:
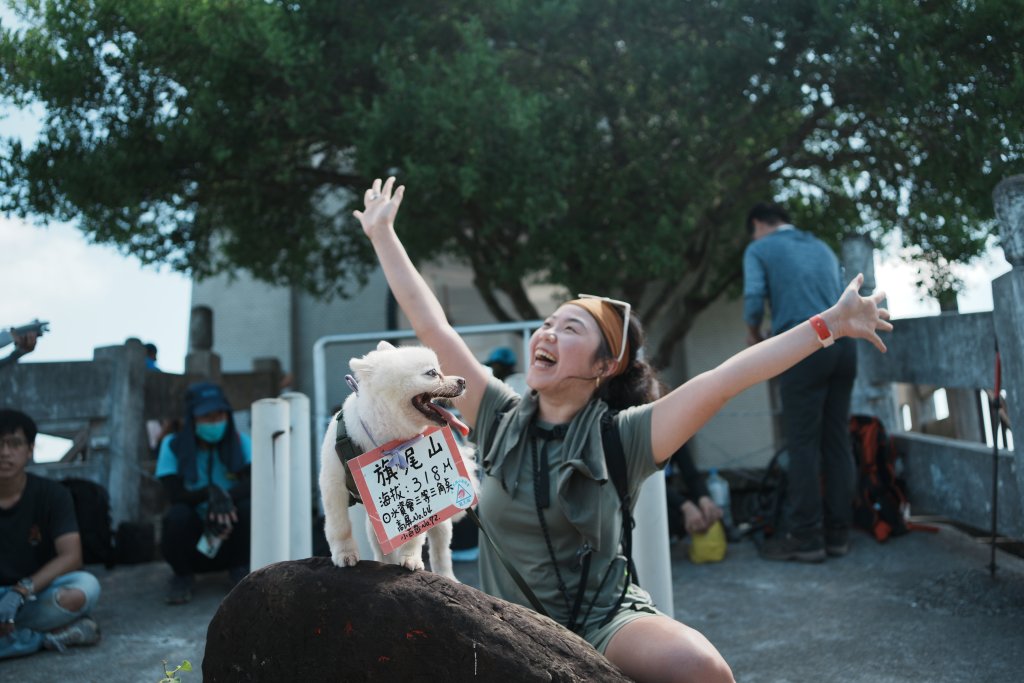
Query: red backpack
[(881, 499)]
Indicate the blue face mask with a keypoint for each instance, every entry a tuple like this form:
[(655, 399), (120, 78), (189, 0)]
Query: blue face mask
[(211, 432)]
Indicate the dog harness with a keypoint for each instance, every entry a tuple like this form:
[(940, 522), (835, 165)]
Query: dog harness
[(346, 450)]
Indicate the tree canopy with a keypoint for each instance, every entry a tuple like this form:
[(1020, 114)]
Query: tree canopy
[(601, 145)]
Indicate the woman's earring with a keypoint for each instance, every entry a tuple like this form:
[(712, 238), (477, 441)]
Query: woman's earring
[(597, 382)]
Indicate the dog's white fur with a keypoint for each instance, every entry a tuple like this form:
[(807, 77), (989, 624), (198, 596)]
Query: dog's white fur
[(388, 379)]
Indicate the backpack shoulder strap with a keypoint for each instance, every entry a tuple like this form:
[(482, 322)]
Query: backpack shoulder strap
[(615, 459)]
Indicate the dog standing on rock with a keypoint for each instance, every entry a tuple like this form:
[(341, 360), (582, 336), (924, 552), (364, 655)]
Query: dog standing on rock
[(393, 396)]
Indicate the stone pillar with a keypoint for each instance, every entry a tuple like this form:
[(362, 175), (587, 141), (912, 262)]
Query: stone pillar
[(202, 363), (125, 426), (868, 398), (1008, 308)]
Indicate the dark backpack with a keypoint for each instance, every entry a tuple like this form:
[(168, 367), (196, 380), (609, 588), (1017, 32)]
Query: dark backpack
[(134, 543), (92, 508), (880, 495), (764, 508)]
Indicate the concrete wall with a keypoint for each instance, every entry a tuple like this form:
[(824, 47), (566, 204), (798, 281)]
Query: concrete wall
[(954, 478), (103, 406), (251, 320), (742, 434), (99, 401), (365, 312), (254, 320)]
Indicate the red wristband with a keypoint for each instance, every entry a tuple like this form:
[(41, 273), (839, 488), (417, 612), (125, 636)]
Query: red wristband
[(821, 328)]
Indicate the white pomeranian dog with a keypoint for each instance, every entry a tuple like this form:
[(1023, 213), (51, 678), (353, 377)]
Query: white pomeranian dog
[(393, 398)]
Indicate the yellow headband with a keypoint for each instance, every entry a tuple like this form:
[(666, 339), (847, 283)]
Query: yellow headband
[(609, 320)]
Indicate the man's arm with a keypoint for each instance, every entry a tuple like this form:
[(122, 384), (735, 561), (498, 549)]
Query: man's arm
[(68, 559), (754, 335), (755, 290), (23, 344)]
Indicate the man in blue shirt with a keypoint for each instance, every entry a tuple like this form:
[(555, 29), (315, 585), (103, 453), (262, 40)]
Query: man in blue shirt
[(204, 469), (800, 277)]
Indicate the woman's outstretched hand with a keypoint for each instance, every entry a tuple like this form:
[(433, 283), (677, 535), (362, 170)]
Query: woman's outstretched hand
[(860, 316), (380, 206)]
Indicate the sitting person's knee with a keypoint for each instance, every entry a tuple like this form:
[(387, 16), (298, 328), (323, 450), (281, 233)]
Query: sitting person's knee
[(702, 663), (714, 668), (71, 599)]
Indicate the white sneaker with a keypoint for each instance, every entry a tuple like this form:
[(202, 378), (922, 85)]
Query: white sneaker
[(83, 631)]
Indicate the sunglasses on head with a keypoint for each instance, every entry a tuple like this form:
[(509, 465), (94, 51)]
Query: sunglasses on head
[(625, 309)]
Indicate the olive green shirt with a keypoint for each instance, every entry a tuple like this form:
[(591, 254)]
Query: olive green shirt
[(584, 506)]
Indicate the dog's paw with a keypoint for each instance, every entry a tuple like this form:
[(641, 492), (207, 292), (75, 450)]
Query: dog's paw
[(345, 555), (342, 559), (413, 562)]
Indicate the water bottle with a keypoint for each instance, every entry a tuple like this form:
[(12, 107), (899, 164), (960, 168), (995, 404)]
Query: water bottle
[(718, 489)]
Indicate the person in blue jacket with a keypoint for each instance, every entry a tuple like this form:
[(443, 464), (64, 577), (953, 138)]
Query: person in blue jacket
[(204, 468)]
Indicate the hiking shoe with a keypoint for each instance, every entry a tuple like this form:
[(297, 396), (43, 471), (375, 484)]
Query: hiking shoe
[(179, 589), (82, 631), (790, 547), (837, 542)]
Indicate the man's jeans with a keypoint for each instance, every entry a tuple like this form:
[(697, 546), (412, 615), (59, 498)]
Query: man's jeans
[(43, 614), (816, 422)]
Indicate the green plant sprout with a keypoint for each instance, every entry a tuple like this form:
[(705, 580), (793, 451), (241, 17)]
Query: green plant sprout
[(172, 676)]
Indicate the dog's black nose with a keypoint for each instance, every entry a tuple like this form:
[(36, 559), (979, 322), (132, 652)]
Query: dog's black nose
[(461, 382)]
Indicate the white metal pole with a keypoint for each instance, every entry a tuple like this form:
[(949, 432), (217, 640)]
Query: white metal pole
[(650, 543), (270, 482), (300, 532)]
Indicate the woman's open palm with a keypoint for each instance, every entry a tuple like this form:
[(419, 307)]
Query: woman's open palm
[(861, 315), (380, 206)]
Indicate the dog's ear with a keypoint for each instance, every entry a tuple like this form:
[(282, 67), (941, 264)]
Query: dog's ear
[(361, 367), (385, 346)]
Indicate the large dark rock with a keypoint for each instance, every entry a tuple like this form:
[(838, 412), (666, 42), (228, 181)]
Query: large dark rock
[(310, 621)]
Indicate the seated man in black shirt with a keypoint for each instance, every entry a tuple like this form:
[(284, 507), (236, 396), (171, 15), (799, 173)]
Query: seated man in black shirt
[(44, 598)]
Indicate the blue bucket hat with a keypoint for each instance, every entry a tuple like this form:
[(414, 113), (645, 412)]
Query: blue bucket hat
[(205, 398), (202, 399)]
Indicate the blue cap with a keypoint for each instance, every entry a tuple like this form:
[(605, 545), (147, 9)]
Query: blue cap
[(501, 354), (205, 398)]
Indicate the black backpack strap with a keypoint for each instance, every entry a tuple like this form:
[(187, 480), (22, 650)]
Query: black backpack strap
[(516, 576), (346, 450), (615, 460)]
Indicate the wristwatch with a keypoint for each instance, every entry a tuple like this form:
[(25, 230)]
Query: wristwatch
[(825, 337), (29, 588)]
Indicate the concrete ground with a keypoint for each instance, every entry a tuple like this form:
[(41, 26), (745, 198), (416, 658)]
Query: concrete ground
[(920, 608)]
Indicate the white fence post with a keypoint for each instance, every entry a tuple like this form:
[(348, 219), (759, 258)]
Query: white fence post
[(650, 543), (300, 544), (270, 482)]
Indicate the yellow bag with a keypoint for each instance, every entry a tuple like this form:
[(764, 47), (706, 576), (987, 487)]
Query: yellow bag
[(709, 546)]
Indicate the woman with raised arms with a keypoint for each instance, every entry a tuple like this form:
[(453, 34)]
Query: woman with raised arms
[(542, 457)]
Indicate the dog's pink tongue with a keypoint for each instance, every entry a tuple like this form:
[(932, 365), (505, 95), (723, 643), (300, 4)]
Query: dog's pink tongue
[(453, 421)]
